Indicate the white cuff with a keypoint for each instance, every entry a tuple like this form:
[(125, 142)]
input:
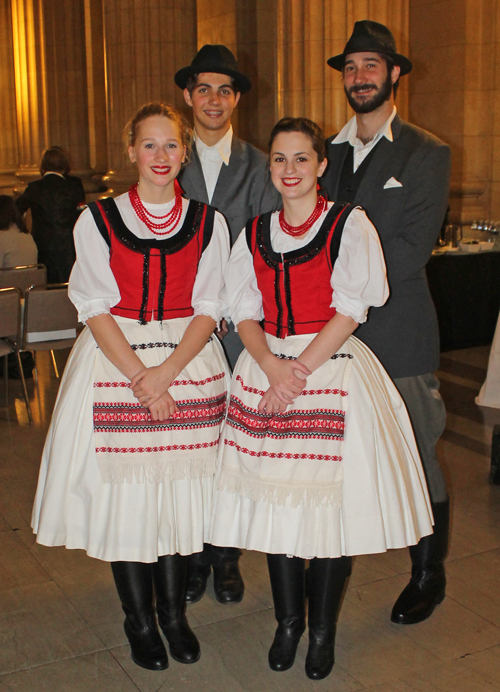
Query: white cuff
[(209, 310), (350, 307), (92, 309)]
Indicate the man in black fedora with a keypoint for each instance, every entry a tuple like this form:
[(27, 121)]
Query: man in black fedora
[(399, 174), (233, 176)]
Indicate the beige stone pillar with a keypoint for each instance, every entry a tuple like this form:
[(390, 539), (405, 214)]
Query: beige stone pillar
[(8, 121), (96, 88), (50, 78), (311, 31), (454, 94), (145, 43)]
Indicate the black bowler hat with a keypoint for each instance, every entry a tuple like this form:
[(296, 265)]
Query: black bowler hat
[(217, 59), (371, 37)]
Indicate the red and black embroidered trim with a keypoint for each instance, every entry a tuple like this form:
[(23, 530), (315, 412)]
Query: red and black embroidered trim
[(157, 344), (297, 424), (164, 448), (282, 455), (175, 383), (282, 356), (304, 392), (192, 414)]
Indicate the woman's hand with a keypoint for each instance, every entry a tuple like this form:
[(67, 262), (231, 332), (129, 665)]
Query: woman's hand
[(163, 408), (223, 331), (271, 404), (151, 383), (283, 379)]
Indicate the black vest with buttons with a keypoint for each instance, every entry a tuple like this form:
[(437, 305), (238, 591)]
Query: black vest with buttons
[(350, 181)]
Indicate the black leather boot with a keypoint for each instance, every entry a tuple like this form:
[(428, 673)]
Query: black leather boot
[(134, 583), (198, 572), (327, 578), (427, 585), (228, 583), (170, 578), (287, 576)]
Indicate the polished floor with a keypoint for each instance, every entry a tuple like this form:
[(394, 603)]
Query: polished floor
[(61, 623)]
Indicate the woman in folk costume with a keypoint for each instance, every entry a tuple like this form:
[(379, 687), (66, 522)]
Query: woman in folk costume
[(319, 461), (128, 465)]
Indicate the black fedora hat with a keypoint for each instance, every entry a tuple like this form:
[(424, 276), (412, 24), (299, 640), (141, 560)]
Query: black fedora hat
[(371, 37), (218, 59)]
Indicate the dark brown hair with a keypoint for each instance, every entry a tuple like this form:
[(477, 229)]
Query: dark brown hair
[(304, 125), (10, 214), (55, 159), (147, 111), (192, 81)]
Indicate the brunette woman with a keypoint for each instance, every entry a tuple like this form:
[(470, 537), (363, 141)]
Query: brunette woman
[(17, 246), (130, 455), (319, 461)]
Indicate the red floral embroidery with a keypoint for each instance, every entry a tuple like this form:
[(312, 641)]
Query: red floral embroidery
[(175, 383), (166, 448), (282, 455), (305, 392)]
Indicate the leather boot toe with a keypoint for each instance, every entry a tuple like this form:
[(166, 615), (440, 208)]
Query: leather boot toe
[(197, 583), (284, 647), (183, 644), (146, 646), (419, 598), (320, 656), (228, 583)]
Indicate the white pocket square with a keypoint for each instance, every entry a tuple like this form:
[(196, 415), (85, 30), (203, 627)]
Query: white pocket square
[(392, 182)]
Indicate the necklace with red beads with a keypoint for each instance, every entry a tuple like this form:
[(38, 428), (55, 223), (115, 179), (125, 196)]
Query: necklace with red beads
[(165, 224), (296, 231)]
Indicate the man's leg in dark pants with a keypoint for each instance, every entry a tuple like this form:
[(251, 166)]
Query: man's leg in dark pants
[(426, 588)]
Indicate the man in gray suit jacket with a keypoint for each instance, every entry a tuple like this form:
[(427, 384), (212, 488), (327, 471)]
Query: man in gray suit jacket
[(233, 176), (400, 175)]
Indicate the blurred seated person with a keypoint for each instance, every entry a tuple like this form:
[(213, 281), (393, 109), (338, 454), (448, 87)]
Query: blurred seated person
[(17, 247), (55, 202)]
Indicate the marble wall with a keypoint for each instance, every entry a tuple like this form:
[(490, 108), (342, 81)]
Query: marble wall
[(454, 93), (72, 73)]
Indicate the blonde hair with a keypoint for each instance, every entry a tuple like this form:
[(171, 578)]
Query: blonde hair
[(155, 108)]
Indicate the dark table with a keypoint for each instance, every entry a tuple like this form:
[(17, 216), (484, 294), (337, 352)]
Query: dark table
[(465, 288)]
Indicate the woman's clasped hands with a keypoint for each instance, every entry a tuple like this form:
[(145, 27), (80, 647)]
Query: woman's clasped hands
[(150, 387), (287, 379)]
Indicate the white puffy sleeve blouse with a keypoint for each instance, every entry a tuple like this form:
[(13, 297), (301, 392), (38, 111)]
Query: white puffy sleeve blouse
[(92, 285), (358, 280)]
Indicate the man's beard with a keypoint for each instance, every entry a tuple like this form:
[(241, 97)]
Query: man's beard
[(371, 104)]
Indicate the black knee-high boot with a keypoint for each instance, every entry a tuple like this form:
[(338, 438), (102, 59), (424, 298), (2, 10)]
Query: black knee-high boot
[(134, 583), (427, 585), (170, 579), (327, 578), (287, 576)]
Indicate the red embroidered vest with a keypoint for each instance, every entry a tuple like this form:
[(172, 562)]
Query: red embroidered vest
[(155, 277), (295, 286)]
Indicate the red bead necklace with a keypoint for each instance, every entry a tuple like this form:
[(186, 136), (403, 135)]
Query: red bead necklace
[(295, 231), (168, 221)]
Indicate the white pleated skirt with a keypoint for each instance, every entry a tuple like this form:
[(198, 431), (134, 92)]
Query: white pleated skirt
[(137, 519), (384, 501)]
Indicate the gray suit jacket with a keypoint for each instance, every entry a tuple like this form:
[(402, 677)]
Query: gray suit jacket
[(404, 332), (243, 190)]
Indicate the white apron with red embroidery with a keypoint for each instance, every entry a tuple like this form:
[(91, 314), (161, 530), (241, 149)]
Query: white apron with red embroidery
[(337, 474)]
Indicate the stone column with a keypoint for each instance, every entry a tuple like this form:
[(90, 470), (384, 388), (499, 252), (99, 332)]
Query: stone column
[(311, 31), (50, 79), (8, 121), (145, 43)]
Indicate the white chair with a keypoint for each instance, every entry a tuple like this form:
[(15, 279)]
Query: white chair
[(50, 320), (10, 338), (23, 276)]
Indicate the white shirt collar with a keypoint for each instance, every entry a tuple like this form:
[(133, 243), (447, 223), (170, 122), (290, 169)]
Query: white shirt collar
[(53, 173), (349, 133), (221, 150)]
